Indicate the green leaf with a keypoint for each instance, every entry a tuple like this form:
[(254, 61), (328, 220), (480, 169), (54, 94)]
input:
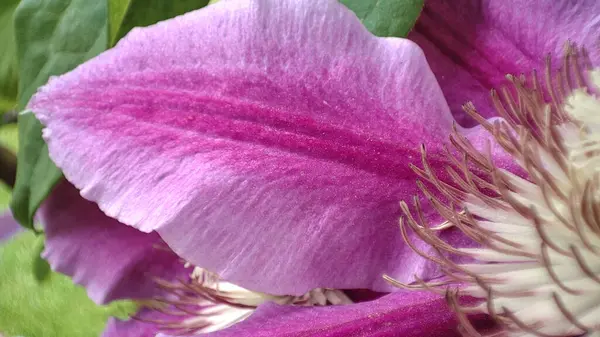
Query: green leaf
[(126, 14), (117, 9), (36, 173), (387, 17), (9, 76), (53, 37)]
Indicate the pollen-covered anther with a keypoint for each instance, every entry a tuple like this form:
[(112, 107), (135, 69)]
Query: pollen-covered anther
[(206, 303), (537, 269)]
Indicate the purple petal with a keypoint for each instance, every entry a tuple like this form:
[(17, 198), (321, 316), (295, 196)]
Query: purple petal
[(129, 328), (111, 260), (472, 44), (397, 314), (267, 141), (8, 226)]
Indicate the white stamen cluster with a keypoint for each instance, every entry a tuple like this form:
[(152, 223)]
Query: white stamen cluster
[(206, 303), (231, 293), (537, 271)]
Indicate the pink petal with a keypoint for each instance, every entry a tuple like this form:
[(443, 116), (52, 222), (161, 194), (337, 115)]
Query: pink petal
[(472, 44), (8, 226), (111, 260), (398, 314), (267, 141)]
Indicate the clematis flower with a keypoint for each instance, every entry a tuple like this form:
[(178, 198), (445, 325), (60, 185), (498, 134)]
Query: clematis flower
[(538, 272), (266, 142)]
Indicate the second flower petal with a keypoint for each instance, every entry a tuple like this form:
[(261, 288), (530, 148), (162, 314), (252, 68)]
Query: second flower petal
[(111, 260), (406, 314)]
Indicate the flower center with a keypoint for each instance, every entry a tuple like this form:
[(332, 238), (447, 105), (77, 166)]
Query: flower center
[(538, 267)]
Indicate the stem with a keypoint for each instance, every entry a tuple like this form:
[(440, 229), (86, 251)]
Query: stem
[(8, 166)]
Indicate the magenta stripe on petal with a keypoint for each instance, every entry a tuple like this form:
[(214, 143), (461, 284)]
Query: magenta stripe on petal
[(267, 141)]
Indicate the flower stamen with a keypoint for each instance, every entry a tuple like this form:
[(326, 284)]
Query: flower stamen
[(540, 237), (205, 303)]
